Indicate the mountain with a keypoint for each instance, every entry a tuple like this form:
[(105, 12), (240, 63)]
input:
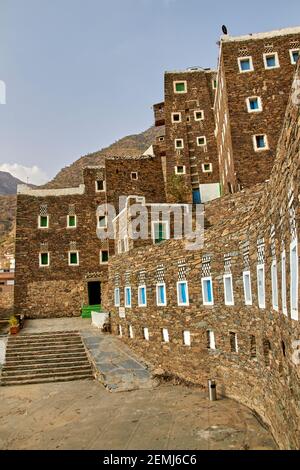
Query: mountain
[(132, 145), (8, 183)]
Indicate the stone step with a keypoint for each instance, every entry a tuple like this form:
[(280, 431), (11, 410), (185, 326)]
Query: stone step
[(45, 355), (37, 380), (46, 360), (45, 365), (45, 371), (43, 374), (29, 341), (37, 349), (46, 333)]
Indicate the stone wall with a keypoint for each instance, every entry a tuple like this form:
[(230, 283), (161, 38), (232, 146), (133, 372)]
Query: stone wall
[(262, 371)]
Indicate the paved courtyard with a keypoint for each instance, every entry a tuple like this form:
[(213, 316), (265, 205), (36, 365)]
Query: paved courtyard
[(84, 415)]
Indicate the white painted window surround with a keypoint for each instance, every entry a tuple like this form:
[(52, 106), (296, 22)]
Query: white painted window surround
[(294, 280), (187, 338), (274, 285), (283, 283), (247, 287), (228, 289), (261, 286)]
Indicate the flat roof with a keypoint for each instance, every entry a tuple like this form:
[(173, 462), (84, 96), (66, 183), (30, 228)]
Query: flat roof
[(193, 70), (269, 34)]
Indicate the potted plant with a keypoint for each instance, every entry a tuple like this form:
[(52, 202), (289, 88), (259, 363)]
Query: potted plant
[(14, 326)]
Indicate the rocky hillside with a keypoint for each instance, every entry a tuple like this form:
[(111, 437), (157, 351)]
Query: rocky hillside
[(131, 145), (7, 227), (8, 183)]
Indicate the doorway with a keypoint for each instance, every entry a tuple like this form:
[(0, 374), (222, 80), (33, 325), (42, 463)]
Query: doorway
[(196, 196), (94, 292)]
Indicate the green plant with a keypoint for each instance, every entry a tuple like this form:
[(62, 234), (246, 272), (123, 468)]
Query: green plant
[(13, 322), (178, 190)]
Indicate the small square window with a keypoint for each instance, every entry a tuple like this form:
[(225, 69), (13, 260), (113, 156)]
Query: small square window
[(180, 87), (199, 115), (201, 141), (161, 299), (207, 167), (142, 296), (44, 259), (104, 256), (102, 221), (43, 221), (71, 221), (271, 61), (245, 64), (165, 335), (161, 139), (180, 170), (73, 258), (260, 142), (100, 185), (294, 53), (254, 104), (187, 338), (160, 232), (134, 175), (179, 144), (176, 117)]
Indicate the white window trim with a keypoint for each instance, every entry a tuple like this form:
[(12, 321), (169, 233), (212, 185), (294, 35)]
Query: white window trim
[(177, 114), (69, 257), (294, 311), (158, 303), (260, 107), (39, 222), (178, 173), (274, 283), (258, 149), (98, 223), (40, 259), (68, 222), (103, 262), (187, 338), (182, 304), (245, 274), (139, 301), (292, 57), (262, 305), (204, 279), (227, 302), (134, 173), (130, 331), (180, 92), (210, 168), (214, 83), (117, 303), (160, 222), (205, 141), (241, 59), (269, 54), (146, 334), (120, 331), (165, 335), (125, 299), (283, 284), (212, 340), (199, 111), (100, 190), (175, 144)]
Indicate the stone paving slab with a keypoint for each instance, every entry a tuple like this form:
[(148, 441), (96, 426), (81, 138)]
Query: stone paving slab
[(115, 364)]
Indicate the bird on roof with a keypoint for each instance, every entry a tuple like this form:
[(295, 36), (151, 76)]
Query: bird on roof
[(224, 29)]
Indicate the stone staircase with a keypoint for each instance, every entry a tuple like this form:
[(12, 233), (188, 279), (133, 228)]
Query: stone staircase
[(45, 357)]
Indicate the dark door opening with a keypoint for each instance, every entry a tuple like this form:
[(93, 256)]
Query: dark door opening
[(196, 196), (94, 291)]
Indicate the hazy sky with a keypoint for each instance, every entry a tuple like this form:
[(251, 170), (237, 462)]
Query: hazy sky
[(80, 74)]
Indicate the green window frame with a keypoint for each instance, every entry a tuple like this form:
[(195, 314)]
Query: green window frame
[(44, 221), (73, 258), (72, 221), (44, 259)]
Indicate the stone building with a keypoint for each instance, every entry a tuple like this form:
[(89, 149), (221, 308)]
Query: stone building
[(228, 312), (7, 281), (255, 75), (188, 144)]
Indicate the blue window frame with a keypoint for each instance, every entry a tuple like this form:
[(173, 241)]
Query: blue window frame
[(254, 103), (271, 60), (142, 296), (182, 293), (117, 297), (128, 297), (295, 56), (207, 291), (161, 299), (245, 64)]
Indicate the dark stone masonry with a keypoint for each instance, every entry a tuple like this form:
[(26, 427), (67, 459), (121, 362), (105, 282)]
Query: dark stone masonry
[(230, 310)]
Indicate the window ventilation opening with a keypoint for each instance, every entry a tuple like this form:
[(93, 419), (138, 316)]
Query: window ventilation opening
[(283, 348), (252, 347), (267, 351), (233, 342)]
